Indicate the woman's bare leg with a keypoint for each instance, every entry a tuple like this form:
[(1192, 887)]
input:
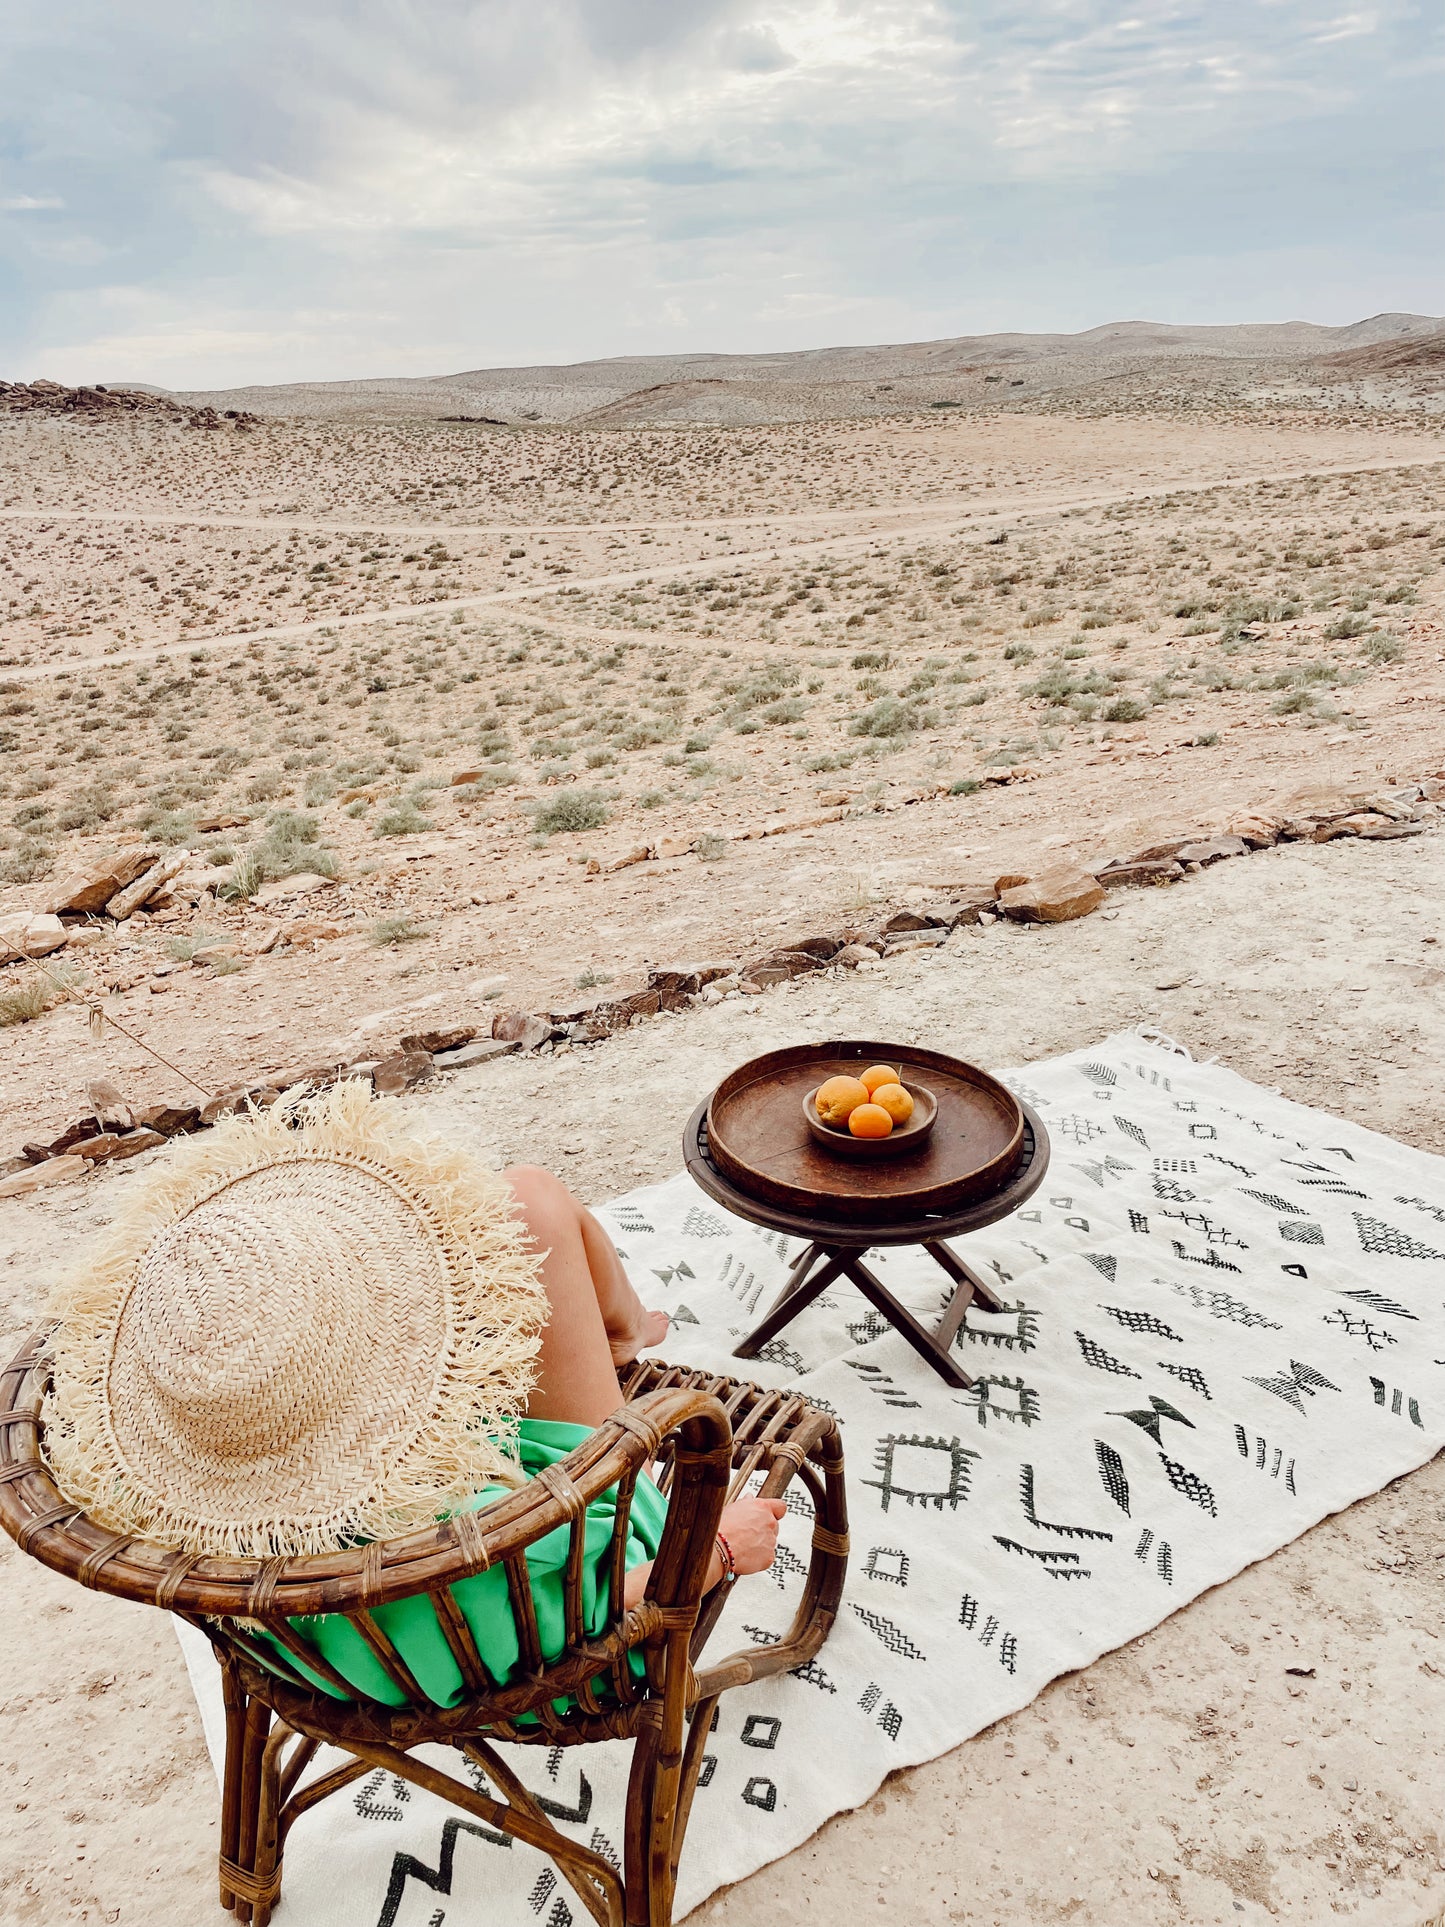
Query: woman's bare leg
[(597, 1320)]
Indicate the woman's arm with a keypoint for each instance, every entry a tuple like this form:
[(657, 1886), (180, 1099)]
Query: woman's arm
[(750, 1527)]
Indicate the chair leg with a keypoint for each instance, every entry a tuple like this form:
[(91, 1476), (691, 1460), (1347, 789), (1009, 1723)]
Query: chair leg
[(250, 1777), (236, 1704), (647, 1877)]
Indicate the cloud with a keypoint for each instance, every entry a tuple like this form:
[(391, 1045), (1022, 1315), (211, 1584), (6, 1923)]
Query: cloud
[(522, 180), (28, 203)]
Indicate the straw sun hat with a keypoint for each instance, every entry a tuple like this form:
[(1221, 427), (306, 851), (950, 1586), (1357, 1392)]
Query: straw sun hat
[(311, 1326)]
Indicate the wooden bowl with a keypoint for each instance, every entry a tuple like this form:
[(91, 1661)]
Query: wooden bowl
[(902, 1139)]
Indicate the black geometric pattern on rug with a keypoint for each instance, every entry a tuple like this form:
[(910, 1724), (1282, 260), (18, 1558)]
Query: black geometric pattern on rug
[(1436, 1211), (893, 1637), (1274, 1202), (1189, 1484), (1101, 1360), (889, 1563), (1026, 1495), (682, 1269), (630, 1218), (369, 1802), (1103, 1262), (760, 1792), (1131, 1130), (1006, 1398), (952, 1494), (760, 1636), (1210, 1258), (700, 1223), (682, 1316), (1373, 1301), (1058, 1565), (1396, 1396), (1301, 1231), (406, 1866), (1214, 1234), (1189, 1375), (1078, 1130), (1152, 1421), (1099, 1074), (542, 1889), (600, 1844), (1023, 1337), (786, 1561), (1243, 1169), (1008, 1646), (1139, 1223), (813, 1675), (1111, 1167), (879, 1383), (871, 1325), (1170, 1191), (778, 1352), (1141, 1321), (1266, 1458), (1295, 1386), (1111, 1471), (761, 1730), (1353, 1326), (1377, 1236), (744, 1284), (1163, 1557), (872, 1693), (1219, 1304)]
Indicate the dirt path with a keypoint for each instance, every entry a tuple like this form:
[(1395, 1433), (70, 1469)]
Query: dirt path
[(911, 523), (1186, 1778)]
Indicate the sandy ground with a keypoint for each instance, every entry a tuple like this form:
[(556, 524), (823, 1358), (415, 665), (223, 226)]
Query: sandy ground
[(1186, 1778)]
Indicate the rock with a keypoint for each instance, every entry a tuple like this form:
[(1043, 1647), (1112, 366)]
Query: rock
[(127, 901), (54, 1171), (749, 988), (26, 934), (973, 910), (521, 1028), (671, 846), (210, 953), (303, 932), (480, 1052), (209, 824), (238, 1098), (1259, 832), (304, 884), (171, 1120), (263, 938), (86, 891), (683, 980), (113, 1145), (1212, 850), (1020, 773), (436, 1041), (823, 948), (1010, 880), (1374, 831), (1055, 897), (625, 862), (836, 799), (780, 965), (1164, 851), (1120, 876), (108, 1105), (463, 776), (903, 920), (69, 1138), (401, 1071), (925, 939), (853, 954)]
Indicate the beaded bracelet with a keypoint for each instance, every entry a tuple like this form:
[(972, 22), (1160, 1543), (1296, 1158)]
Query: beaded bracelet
[(729, 1564)]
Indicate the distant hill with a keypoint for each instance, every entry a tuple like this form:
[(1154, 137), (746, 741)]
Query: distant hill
[(817, 382)]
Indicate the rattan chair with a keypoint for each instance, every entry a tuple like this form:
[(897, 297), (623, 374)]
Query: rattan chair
[(713, 1436)]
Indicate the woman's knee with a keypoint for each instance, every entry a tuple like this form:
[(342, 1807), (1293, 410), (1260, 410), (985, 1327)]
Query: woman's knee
[(542, 1200)]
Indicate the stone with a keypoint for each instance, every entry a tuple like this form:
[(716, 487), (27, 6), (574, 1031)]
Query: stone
[(263, 938), (684, 979), (915, 940), (208, 825), (135, 895), (823, 948), (1164, 851), (23, 933), (1120, 876), (1010, 880), (171, 1120), (86, 891), (304, 884), (1211, 850), (108, 1105), (465, 776), (111, 1146), (237, 1098), (521, 1028), (835, 799), (434, 1041), (671, 846), (482, 1051), (1057, 896), (780, 965), (609, 1014), (1375, 831), (972, 911), (401, 1071), (54, 1171), (853, 954), (904, 920), (641, 854), (210, 953), (1259, 832)]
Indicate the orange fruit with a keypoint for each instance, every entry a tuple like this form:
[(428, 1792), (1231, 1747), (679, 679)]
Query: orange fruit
[(877, 1074), (895, 1100), (870, 1120), (839, 1098)]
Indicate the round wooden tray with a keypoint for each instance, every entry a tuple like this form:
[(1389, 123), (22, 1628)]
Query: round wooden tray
[(759, 1141)]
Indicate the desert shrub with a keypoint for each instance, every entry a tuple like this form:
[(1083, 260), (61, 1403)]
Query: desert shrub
[(1125, 709), (591, 979), (1346, 626), (652, 799), (288, 848), (387, 932), (402, 818), (36, 993), (889, 717), (710, 846), (791, 710), (1382, 648), (570, 812), (1021, 651), (642, 735), (1294, 703), (28, 862)]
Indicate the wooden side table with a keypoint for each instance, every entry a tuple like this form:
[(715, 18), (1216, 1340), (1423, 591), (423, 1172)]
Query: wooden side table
[(835, 1247)]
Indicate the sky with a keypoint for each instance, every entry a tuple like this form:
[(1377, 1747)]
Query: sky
[(208, 193)]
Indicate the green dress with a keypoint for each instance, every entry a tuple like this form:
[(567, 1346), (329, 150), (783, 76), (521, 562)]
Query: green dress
[(411, 1624)]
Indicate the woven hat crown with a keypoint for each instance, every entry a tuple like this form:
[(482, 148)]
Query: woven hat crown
[(313, 1327)]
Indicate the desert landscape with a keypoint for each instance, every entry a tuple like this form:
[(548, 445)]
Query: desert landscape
[(540, 742)]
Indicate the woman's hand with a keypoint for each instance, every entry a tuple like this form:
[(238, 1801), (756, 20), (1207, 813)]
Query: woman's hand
[(750, 1527)]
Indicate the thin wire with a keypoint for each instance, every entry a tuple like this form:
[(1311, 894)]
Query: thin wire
[(98, 1011)]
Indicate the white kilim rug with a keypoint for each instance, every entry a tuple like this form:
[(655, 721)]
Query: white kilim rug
[(1225, 1322)]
